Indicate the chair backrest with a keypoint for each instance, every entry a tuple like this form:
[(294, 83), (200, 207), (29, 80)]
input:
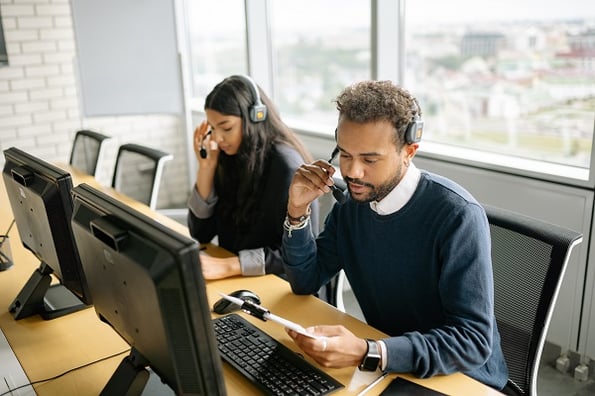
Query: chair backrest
[(137, 172), (529, 257), (86, 150)]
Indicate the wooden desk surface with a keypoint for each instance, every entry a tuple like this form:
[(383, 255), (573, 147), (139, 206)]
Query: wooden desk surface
[(48, 348)]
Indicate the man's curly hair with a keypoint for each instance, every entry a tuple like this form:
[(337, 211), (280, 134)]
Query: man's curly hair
[(372, 101)]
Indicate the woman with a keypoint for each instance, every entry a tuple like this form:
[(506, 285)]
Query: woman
[(246, 159)]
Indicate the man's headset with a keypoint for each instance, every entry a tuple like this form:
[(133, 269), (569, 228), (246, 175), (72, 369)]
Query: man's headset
[(257, 112), (413, 133), (415, 127)]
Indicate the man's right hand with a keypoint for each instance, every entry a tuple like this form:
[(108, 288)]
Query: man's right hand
[(309, 182)]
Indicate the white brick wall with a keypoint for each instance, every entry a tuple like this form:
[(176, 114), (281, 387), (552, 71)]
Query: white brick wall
[(39, 98)]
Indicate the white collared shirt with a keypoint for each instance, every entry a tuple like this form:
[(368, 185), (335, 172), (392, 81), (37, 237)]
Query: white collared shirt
[(399, 195)]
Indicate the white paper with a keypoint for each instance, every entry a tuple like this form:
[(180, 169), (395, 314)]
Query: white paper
[(277, 319), (291, 325)]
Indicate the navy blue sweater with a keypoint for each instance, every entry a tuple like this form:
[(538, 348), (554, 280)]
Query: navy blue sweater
[(422, 275)]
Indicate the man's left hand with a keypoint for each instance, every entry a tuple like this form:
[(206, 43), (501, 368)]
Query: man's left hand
[(335, 347)]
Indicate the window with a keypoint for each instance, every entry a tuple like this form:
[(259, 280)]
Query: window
[(516, 79), (217, 36), (319, 47), (511, 86)]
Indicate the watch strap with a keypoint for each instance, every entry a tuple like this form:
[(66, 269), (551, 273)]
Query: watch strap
[(299, 220), (371, 359)]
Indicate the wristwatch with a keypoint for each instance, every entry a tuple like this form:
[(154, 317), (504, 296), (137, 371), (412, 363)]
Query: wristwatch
[(371, 360)]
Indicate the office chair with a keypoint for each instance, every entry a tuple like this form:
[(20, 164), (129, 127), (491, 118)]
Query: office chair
[(529, 258), (137, 172), (86, 150)]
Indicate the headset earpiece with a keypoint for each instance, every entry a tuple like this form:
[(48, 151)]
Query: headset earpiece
[(258, 110), (415, 127)]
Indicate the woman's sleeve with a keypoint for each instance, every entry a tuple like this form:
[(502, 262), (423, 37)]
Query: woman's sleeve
[(201, 221)]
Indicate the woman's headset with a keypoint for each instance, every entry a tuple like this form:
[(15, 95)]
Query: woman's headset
[(257, 112)]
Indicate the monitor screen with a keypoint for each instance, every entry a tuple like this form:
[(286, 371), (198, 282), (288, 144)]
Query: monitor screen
[(146, 283), (39, 195)]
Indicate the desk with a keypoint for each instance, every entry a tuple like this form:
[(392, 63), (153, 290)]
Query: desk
[(47, 348)]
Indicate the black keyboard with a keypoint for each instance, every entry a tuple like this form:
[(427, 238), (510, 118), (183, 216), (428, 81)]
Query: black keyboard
[(267, 363)]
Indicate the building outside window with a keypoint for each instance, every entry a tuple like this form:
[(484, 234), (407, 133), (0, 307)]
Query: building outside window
[(516, 79), (314, 61), (519, 84), (217, 36)]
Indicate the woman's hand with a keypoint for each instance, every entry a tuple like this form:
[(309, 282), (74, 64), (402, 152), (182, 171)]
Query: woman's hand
[(203, 141), (206, 166), (219, 268), (337, 347)]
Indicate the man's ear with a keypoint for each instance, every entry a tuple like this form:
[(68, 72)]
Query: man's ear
[(411, 150)]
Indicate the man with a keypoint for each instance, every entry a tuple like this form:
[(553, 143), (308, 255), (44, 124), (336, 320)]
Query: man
[(414, 246)]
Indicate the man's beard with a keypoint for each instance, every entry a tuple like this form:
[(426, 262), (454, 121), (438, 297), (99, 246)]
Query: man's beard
[(377, 193)]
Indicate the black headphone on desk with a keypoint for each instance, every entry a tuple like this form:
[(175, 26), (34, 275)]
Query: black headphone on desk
[(257, 112), (415, 127)]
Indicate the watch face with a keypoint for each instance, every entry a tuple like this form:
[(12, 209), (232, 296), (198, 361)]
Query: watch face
[(372, 358), (370, 363)]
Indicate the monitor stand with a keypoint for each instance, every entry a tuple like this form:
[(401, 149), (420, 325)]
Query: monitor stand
[(38, 296), (5, 255), (130, 377)]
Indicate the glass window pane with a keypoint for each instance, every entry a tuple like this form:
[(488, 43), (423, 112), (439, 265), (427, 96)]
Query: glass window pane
[(317, 53), (517, 78), (217, 37)]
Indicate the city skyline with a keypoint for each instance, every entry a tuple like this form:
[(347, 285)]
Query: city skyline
[(436, 11)]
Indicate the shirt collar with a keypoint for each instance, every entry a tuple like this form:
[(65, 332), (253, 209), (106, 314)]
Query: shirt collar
[(399, 195)]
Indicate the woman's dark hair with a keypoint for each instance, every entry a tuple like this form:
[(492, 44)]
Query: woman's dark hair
[(240, 179)]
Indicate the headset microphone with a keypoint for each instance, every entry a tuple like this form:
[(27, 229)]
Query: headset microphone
[(337, 191), (203, 150)]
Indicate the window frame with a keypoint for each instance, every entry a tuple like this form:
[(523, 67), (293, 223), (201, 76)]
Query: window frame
[(388, 34)]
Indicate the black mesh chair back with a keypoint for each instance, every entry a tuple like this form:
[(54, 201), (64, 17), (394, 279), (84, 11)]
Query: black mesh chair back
[(137, 172), (86, 150), (529, 258)]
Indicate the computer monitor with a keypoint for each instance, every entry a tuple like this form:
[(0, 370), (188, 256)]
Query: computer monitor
[(39, 195), (146, 283)]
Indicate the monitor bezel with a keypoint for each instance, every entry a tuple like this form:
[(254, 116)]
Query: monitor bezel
[(33, 185), (103, 227)]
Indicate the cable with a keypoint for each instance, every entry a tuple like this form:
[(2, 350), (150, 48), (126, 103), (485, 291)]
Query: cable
[(5, 261), (337, 191), (9, 227), (64, 373)]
